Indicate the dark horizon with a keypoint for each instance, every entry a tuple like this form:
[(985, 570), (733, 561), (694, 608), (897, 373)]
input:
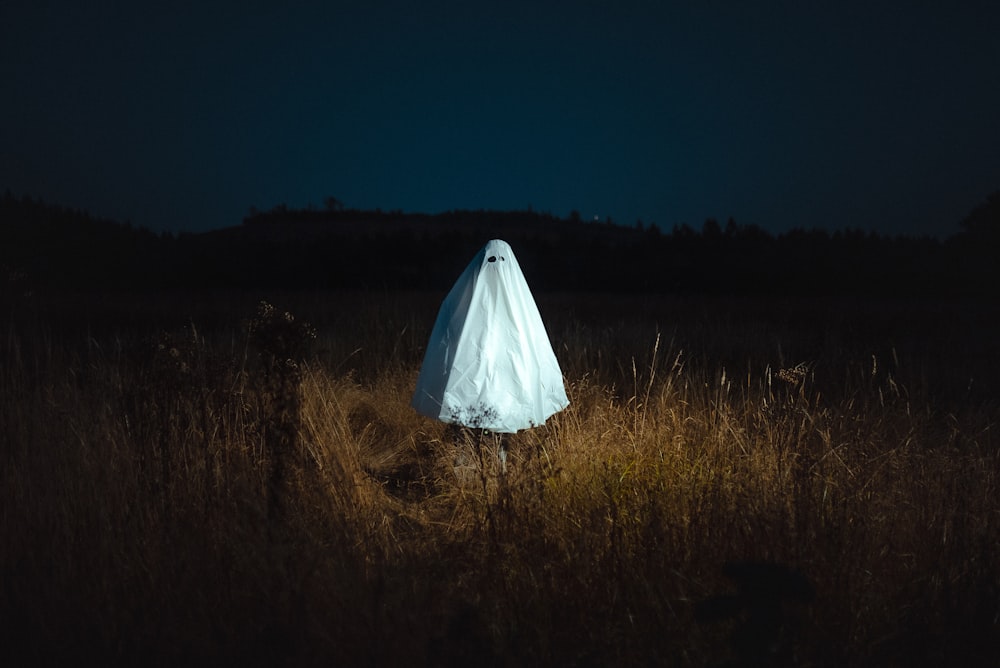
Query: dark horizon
[(340, 248), (334, 209)]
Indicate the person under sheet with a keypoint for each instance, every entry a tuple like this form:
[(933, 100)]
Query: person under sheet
[(489, 363)]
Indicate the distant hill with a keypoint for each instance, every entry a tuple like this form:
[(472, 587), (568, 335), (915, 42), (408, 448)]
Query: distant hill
[(52, 246), (345, 248)]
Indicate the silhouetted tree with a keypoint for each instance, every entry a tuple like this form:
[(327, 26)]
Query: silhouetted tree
[(983, 222), (710, 229), (682, 232)]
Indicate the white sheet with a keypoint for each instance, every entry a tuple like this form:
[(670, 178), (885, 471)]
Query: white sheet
[(489, 363)]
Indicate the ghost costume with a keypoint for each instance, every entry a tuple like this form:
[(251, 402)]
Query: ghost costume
[(489, 363)]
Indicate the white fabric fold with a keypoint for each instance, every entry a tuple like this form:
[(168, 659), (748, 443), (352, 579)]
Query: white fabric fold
[(489, 363)]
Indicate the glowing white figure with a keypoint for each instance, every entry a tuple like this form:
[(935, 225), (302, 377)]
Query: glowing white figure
[(489, 363)]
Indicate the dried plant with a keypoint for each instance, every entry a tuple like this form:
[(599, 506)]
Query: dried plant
[(688, 506)]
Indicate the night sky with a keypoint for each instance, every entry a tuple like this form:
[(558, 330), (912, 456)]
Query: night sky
[(184, 115)]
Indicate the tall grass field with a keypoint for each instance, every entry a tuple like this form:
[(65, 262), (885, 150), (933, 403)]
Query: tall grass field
[(238, 479)]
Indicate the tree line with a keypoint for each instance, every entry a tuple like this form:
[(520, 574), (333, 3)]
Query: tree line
[(51, 247)]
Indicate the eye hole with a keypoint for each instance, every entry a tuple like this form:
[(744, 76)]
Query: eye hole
[(492, 258), (503, 259)]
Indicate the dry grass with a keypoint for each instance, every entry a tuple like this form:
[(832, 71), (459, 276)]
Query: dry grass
[(705, 498)]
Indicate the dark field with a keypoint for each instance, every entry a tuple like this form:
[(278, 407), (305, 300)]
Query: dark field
[(189, 479)]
